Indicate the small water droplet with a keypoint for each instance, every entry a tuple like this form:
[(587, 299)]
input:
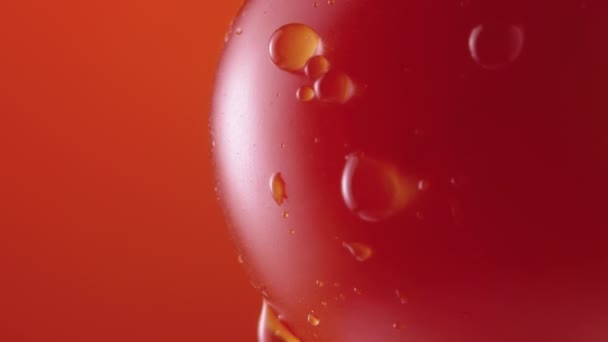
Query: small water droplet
[(315, 4), (360, 251), (374, 189), (316, 67), (271, 329), (292, 231), (402, 298), (495, 46), (317, 140), (357, 291), (239, 259), (285, 214), (398, 325), (313, 320), (331, 2), (238, 31), (320, 283), (324, 303), (335, 87), (423, 185), (292, 45), (278, 188), (305, 94)]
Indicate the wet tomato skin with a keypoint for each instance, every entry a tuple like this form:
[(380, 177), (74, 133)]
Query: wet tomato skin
[(440, 176)]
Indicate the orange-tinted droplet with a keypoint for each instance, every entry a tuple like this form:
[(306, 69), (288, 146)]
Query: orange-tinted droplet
[(271, 329), (335, 87), (313, 320), (360, 251), (317, 67), (278, 188), (240, 259), (292, 45), (374, 189), (285, 214), (306, 94)]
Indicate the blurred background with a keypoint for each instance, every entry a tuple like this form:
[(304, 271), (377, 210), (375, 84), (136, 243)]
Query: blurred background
[(109, 229)]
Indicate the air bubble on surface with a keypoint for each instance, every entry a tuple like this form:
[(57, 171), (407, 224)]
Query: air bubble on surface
[(292, 45), (316, 67), (373, 189), (278, 188), (335, 87), (305, 94), (271, 329), (496, 46), (360, 251)]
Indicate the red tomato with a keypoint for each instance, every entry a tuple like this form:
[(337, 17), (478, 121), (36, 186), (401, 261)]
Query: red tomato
[(428, 171)]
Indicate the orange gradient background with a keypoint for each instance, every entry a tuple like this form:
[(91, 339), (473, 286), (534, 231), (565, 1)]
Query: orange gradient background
[(109, 229)]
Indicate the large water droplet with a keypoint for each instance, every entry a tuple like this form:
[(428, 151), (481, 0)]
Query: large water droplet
[(374, 189), (360, 251), (271, 329), (292, 45), (495, 46), (278, 188), (335, 87)]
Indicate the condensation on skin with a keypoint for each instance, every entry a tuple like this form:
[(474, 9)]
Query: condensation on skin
[(313, 319), (335, 87)]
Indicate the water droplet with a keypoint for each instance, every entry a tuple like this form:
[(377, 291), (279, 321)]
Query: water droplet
[(313, 320), (495, 46), (238, 31), (320, 283), (305, 94), (315, 4), (316, 67), (292, 231), (239, 259), (285, 214), (360, 251), (278, 188), (357, 291), (292, 45), (335, 87), (331, 2), (317, 140), (423, 185), (373, 189), (402, 298), (271, 329), (324, 303), (398, 325)]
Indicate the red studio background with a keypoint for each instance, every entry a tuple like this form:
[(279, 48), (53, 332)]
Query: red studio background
[(109, 228)]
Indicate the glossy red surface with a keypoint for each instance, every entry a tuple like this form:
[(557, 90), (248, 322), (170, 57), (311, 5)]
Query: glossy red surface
[(482, 130)]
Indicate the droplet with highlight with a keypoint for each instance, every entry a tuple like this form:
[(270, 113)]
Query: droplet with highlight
[(360, 251), (313, 320), (373, 189), (316, 67), (292, 45), (496, 46), (305, 94), (271, 329), (398, 326), (278, 188), (335, 87), (402, 298)]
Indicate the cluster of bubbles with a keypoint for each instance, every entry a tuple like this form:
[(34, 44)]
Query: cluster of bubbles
[(297, 48)]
